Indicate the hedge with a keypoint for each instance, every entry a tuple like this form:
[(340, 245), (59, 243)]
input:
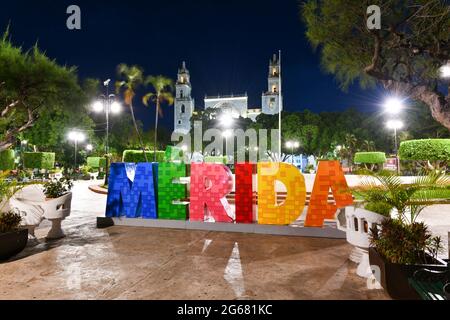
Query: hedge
[(7, 158), (137, 156), (39, 160), (427, 149), (217, 159), (370, 157), (96, 162)]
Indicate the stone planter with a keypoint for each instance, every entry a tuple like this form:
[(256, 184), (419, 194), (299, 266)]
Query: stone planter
[(11, 243), (358, 224), (393, 277)]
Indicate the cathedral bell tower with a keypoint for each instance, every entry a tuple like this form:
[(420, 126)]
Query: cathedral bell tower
[(272, 100), (184, 104)]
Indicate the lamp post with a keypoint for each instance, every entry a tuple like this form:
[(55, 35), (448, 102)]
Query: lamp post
[(395, 125), (107, 104), (292, 145), (76, 137)]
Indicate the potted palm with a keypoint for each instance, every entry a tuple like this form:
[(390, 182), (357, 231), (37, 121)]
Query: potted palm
[(13, 239), (401, 245)]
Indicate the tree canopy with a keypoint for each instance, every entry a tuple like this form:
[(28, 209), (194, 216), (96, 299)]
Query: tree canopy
[(404, 56), (32, 86)]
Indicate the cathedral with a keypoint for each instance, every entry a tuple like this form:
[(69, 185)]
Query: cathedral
[(236, 106)]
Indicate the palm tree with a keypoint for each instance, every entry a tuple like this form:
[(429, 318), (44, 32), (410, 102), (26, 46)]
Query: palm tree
[(133, 78), (369, 145), (163, 88), (350, 144)]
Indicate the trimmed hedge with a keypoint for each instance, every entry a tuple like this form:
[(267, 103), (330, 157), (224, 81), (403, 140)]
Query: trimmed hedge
[(7, 160), (39, 160), (427, 149), (96, 162), (217, 159), (370, 157), (137, 156)]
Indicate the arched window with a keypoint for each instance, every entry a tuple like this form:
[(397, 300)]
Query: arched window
[(181, 94), (183, 108)]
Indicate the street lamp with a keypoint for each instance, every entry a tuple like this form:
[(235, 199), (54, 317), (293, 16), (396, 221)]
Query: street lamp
[(89, 147), (395, 125), (226, 120), (107, 104), (394, 105), (292, 145), (445, 70), (76, 137)]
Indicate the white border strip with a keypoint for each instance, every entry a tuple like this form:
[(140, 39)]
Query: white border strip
[(325, 232)]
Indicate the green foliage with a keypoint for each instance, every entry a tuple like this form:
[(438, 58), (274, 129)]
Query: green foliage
[(216, 159), (96, 162), (9, 221), (339, 29), (370, 157), (137, 156), (405, 243), (39, 160), (408, 199), (57, 188), (379, 207), (7, 158), (427, 149), (32, 85)]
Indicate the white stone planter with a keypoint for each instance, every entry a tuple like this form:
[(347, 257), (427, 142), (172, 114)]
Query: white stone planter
[(358, 224), (34, 208)]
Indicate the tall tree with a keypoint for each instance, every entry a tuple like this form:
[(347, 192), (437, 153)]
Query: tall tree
[(132, 79), (405, 55), (31, 85), (162, 93)]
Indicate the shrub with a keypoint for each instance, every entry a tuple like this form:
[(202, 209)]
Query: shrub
[(217, 159), (379, 207), (9, 221), (57, 188), (370, 157), (427, 153), (96, 162), (39, 160), (137, 156), (405, 243), (7, 160)]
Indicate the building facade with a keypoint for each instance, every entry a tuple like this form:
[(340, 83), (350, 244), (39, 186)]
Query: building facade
[(235, 105)]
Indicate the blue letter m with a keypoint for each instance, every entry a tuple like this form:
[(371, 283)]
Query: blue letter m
[(131, 191)]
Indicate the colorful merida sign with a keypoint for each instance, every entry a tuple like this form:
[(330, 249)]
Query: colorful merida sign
[(154, 191)]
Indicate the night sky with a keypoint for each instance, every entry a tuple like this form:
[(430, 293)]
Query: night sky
[(226, 44)]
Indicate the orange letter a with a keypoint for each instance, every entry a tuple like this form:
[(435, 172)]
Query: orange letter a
[(329, 175)]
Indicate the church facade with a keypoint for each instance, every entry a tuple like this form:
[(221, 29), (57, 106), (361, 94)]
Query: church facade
[(235, 105)]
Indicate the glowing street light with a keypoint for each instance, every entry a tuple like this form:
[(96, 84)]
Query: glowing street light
[(107, 104), (292, 145), (89, 147), (76, 137), (395, 125), (116, 107), (394, 105), (445, 70), (226, 120)]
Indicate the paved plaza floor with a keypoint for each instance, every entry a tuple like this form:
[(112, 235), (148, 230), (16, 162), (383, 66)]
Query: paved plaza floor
[(142, 263)]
